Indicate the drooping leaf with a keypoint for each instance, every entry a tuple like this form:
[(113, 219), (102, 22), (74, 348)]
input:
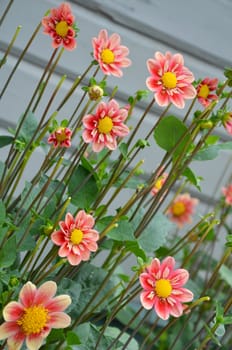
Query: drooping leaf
[(171, 131), (192, 178), (211, 152), (5, 140)]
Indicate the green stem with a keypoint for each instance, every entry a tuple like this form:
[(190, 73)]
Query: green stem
[(3, 60)]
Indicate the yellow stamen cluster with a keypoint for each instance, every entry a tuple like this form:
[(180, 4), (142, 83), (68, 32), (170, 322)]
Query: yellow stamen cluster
[(178, 208), (204, 91), (105, 125), (61, 135), (169, 80), (107, 56), (62, 28), (34, 319), (76, 236), (163, 288)]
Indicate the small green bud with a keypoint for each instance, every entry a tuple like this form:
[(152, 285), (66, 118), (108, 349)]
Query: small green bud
[(95, 92)]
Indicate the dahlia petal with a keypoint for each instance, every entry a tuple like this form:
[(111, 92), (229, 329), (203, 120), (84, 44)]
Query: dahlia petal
[(64, 251), (27, 294), (69, 220), (15, 342), (12, 311), (176, 309), (177, 100), (146, 281), (154, 268), (147, 299), (162, 308), (45, 292), (73, 259), (114, 41), (179, 277), (162, 99), (59, 303), (91, 235), (7, 329), (92, 246), (183, 295), (57, 237), (153, 84), (59, 320), (97, 147), (34, 341)]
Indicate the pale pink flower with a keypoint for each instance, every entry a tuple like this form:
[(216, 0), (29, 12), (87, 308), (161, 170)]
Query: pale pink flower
[(163, 288), (61, 137), (60, 25), (159, 182), (34, 315), (227, 122), (76, 237), (103, 127), (170, 80), (227, 191), (204, 91), (181, 209), (110, 55)]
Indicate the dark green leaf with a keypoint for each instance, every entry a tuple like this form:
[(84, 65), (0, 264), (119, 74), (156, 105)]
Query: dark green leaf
[(123, 231), (192, 178), (169, 132), (72, 338), (5, 140), (123, 149), (8, 252), (29, 126), (2, 212), (211, 152)]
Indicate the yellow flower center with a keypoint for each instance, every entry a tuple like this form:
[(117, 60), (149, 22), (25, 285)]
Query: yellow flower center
[(204, 91), (169, 80), (107, 56), (34, 319), (76, 236), (178, 208), (105, 125), (60, 135), (62, 28), (163, 288), (158, 184)]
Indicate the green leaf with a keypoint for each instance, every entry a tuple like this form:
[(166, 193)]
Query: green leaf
[(133, 247), (82, 188), (211, 152), (155, 234), (169, 131), (72, 338), (5, 140), (2, 212), (29, 126), (192, 178), (123, 232), (8, 252), (226, 274), (123, 149)]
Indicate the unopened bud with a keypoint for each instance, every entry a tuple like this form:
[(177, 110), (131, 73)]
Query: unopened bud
[(95, 92)]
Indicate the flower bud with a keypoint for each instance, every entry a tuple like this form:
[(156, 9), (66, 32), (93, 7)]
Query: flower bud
[(95, 92)]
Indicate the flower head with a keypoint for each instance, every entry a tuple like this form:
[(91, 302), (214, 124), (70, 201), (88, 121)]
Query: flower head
[(76, 237), (34, 315), (204, 91), (163, 288), (110, 55), (227, 122), (60, 26), (158, 184), (61, 137), (170, 80), (227, 191), (103, 127), (181, 209)]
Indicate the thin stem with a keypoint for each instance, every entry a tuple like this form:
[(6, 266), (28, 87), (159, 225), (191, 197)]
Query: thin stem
[(3, 60)]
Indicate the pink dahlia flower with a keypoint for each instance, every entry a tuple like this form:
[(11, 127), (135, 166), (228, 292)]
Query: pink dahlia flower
[(34, 315), (159, 184), (227, 191), (181, 209), (60, 26), (61, 137), (110, 55), (76, 237), (227, 122), (103, 127), (204, 91), (163, 288), (170, 80)]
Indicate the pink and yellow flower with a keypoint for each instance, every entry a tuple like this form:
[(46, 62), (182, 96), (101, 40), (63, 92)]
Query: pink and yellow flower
[(159, 184), (34, 315), (205, 89), (60, 26), (163, 288), (110, 55), (227, 191), (61, 137), (181, 209), (227, 122), (103, 127), (170, 80), (76, 237)]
